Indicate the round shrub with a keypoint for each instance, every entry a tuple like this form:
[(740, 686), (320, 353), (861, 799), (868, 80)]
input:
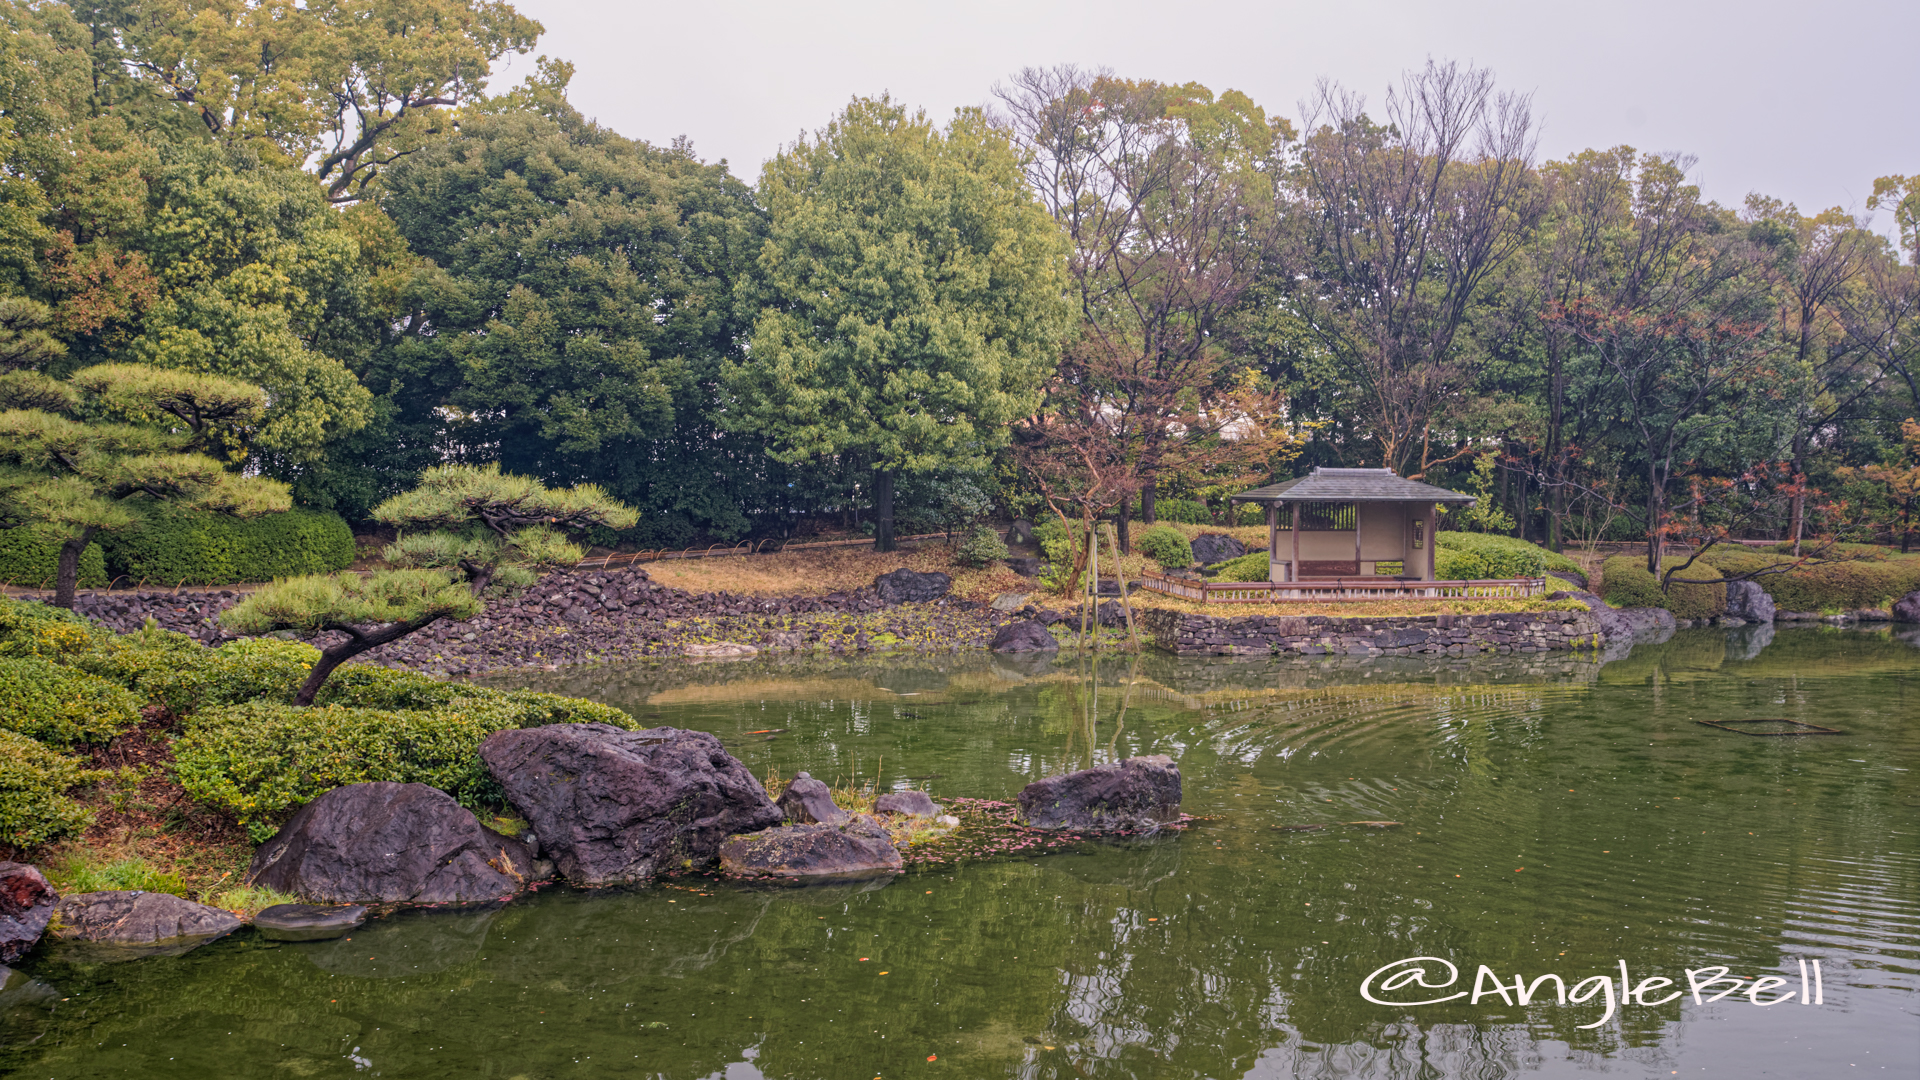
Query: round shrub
[(260, 760), (30, 558), (981, 549), (35, 629), (1626, 583), (363, 686), (1165, 545), (60, 706), (175, 546), (1462, 556), (1253, 566), (34, 781)]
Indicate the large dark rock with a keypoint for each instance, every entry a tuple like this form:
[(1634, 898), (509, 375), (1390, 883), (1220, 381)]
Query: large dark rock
[(1024, 636), (1135, 795), (391, 843), (1024, 565), (612, 805), (1650, 624), (1613, 626), (905, 586), (1211, 548), (803, 853), (308, 922), (1020, 531), (809, 802), (26, 903), (138, 923), (1111, 614), (911, 803), (1907, 608), (1747, 600)]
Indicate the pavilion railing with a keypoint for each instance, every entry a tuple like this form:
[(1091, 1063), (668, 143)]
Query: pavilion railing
[(1322, 590)]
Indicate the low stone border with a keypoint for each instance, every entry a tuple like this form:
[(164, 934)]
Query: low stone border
[(1318, 635)]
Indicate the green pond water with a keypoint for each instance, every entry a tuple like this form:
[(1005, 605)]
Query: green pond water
[(1559, 816)]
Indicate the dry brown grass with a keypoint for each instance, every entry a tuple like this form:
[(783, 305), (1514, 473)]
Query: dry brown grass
[(822, 571)]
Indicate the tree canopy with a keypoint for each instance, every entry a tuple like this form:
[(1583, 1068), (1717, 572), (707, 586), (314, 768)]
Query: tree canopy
[(910, 294)]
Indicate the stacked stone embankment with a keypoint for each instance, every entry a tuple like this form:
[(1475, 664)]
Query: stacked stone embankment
[(1320, 635), (588, 615)]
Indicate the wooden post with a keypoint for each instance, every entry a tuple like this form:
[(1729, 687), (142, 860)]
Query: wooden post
[(1120, 575), (1356, 539), (1293, 568)]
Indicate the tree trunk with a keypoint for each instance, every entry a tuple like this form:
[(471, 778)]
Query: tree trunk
[(883, 509), (67, 577), (358, 641), (1797, 526), (1656, 528), (1120, 526), (1147, 515)]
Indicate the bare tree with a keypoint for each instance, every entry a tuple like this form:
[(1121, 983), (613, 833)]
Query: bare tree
[(1404, 220), (1168, 194)]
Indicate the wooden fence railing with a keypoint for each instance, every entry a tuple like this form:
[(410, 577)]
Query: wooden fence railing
[(1331, 589)]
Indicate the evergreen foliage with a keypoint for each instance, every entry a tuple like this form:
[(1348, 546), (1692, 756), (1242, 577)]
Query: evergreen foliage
[(1165, 545)]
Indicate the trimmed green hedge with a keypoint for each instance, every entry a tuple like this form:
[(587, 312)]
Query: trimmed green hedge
[(1870, 579), (60, 706), (217, 549), (34, 781), (1165, 545), (1183, 511), (1464, 556), (1253, 566), (1626, 583), (27, 558), (34, 629), (266, 669), (260, 760)]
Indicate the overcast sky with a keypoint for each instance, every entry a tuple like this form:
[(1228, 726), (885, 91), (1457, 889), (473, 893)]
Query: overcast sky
[(1805, 101)]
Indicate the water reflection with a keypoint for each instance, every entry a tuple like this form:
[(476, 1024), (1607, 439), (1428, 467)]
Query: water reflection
[(1560, 815)]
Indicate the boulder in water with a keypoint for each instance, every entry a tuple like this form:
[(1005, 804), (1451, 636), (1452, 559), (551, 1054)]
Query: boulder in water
[(135, 923), (911, 803), (1749, 602), (26, 903), (804, 853), (391, 843), (1024, 636), (807, 801), (308, 922), (1907, 608), (1136, 795), (611, 805)]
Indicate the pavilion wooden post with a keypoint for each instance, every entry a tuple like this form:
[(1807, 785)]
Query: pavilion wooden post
[(1293, 568)]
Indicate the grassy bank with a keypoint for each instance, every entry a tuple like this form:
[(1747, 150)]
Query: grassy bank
[(147, 761)]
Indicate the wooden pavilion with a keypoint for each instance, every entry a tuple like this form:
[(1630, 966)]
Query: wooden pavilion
[(1348, 534), (1346, 523)]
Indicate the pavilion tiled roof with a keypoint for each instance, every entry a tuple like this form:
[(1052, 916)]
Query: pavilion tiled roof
[(1352, 486)]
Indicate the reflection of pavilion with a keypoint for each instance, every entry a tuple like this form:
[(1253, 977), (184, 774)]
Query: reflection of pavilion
[(1349, 534)]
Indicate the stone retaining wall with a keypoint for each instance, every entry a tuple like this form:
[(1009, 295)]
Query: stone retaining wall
[(1318, 635)]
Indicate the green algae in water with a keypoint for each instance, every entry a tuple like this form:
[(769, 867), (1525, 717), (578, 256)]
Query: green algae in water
[(1558, 816)]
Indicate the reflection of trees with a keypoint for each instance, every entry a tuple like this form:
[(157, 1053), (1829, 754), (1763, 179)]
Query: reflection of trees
[(1064, 949)]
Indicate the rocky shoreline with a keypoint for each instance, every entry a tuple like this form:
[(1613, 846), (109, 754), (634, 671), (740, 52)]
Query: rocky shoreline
[(595, 616)]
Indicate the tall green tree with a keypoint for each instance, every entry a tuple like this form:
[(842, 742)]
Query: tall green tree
[(911, 298), (574, 315)]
